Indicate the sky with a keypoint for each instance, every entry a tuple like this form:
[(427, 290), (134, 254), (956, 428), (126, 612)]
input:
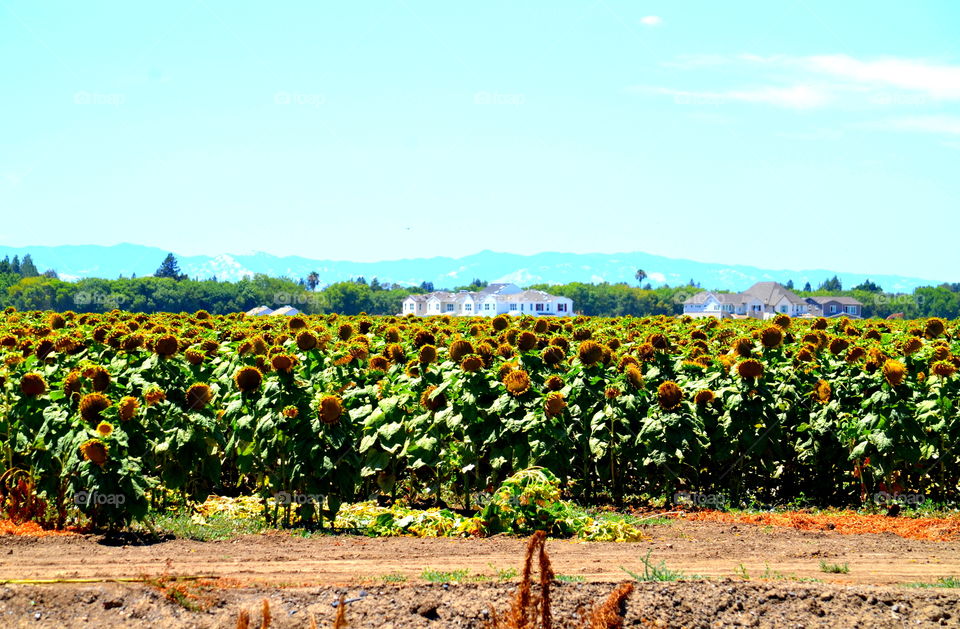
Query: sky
[(785, 135)]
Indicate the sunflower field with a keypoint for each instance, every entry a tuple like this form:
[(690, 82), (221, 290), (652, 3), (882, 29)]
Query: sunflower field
[(106, 416)]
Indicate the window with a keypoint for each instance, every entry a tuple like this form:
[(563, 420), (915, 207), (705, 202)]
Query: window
[(486, 306), (783, 309), (449, 307), (833, 308), (513, 306), (539, 308), (468, 306), (850, 309), (561, 307)]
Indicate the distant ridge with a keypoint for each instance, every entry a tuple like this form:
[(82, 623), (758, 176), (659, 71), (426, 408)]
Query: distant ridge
[(81, 261)]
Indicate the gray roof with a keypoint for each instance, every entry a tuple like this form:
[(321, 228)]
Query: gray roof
[(770, 293), (842, 300)]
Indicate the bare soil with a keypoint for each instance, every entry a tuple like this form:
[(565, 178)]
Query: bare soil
[(302, 576)]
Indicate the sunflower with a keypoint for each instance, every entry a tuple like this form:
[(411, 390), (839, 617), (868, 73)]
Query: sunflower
[(379, 363), (391, 335), (248, 379), (430, 401), (283, 362), (296, 323), (704, 396), (627, 360), (634, 376), (423, 337), (855, 354), (912, 345), (128, 407), (554, 404), (894, 372), (646, 352), (32, 384), (329, 409), (154, 395), (198, 396), (943, 368), (413, 369), (743, 347), (194, 356), (105, 429), (471, 363), (458, 349), (822, 391), (669, 395), (554, 383), (72, 386), (611, 393), (91, 405), (166, 345), (500, 323), (934, 328), (526, 341), (838, 345), (771, 337), (345, 331), (517, 382), (941, 351), (306, 340), (819, 324), (782, 321), (290, 412), (552, 355), (590, 353), (95, 451), (750, 369), (427, 355)]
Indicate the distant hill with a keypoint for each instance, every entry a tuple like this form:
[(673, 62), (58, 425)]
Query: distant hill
[(80, 261)]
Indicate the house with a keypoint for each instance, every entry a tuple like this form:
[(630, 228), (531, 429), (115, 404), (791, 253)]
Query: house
[(259, 311), (834, 306), (288, 311), (763, 300), (492, 300)]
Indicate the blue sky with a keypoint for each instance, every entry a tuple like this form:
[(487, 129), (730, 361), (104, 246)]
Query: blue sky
[(779, 134)]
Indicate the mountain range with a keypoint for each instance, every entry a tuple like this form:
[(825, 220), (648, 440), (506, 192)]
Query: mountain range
[(82, 261)]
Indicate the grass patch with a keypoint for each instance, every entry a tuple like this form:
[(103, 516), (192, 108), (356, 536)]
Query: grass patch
[(454, 576), (215, 527), (393, 578), (654, 572), (503, 574), (568, 578), (941, 582), (834, 568)]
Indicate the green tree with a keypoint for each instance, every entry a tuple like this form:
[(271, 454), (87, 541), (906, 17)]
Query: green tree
[(170, 268), (28, 268)]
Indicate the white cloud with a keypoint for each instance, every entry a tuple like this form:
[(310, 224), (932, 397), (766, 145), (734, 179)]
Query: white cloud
[(652, 20), (949, 125), (941, 82)]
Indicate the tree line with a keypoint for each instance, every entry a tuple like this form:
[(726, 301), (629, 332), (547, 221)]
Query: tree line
[(169, 290)]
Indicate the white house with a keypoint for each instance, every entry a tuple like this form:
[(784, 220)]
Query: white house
[(286, 310), (491, 301), (259, 311), (763, 300)]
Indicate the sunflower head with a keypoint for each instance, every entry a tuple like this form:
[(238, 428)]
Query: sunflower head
[(669, 395), (943, 368), (248, 379), (430, 401), (458, 349), (194, 356), (526, 341), (517, 382), (391, 334), (154, 395), (500, 323), (554, 404), (32, 384), (329, 409), (427, 355), (91, 405), (934, 328), (771, 337), (166, 345), (296, 323), (894, 372), (704, 396), (659, 341), (782, 321), (634, 376), (104, 429), (128, 407), (283, 362), (822, 391), (552, 355), (345, 331), (379, 363), (471, 363), (743, 347), (95, 451), (611, 393), (290, 412), (855, 354), (590, 353), (819, 324), (554, 383), (646, 352), (750, 369), (912, 345), (838, 345), (198, 396)]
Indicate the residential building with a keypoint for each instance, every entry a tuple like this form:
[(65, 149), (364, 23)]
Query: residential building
[(763, 300), (835, 306), (492, 300)]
